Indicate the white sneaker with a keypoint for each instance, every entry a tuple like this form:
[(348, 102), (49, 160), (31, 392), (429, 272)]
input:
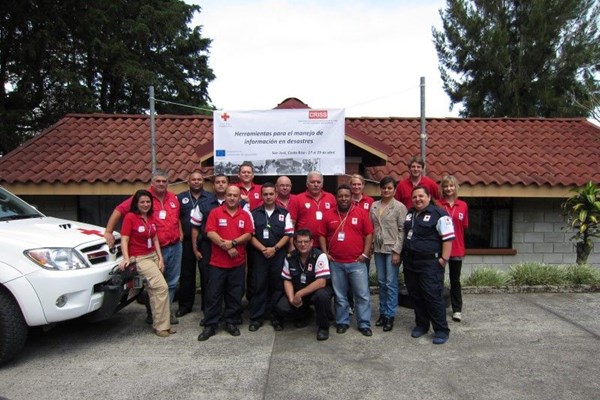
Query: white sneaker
[(456, 317)]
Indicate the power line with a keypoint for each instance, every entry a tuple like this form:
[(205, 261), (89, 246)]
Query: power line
[(384, 96), (186, 105)]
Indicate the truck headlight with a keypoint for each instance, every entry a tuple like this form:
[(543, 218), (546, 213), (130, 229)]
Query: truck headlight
[(58, 259)]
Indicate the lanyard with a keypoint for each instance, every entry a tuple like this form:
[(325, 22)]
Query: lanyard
[(269, 217), (147, 226), (304, 266), (453, 208), (343, 221), (192, 199)]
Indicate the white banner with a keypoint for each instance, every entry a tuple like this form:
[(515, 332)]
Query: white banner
[(280, 142)]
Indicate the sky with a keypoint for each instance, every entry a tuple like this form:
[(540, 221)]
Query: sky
[(365, 56)]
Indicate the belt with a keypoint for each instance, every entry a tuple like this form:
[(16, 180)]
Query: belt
[(417, 256)]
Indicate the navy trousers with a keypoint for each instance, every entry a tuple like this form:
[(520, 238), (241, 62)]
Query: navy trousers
[(424, 281)]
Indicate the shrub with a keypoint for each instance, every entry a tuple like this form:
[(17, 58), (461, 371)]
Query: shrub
[(582, 274), (537, 274), (486, 276)]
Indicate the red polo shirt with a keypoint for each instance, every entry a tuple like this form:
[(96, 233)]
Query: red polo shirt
[(308, 212), (405, 188), (254, 194), (459, 213), (346, 233), (165, 214), (228, 227), (286, 206), (365, 202), (141, 234)]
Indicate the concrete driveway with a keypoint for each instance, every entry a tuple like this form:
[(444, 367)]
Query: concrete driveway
[(509, 346)]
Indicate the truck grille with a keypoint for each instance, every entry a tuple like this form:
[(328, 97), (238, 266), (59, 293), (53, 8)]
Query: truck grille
[(100, 253)]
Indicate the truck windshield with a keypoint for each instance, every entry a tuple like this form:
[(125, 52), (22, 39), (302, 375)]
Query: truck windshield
[(12, 207)]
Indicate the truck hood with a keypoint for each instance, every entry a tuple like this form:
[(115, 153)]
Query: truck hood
[(48, 232)]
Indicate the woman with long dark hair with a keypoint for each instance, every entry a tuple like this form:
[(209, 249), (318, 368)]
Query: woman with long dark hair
[(139, 244)]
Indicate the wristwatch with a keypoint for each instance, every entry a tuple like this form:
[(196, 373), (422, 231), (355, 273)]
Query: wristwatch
[(234, 243)]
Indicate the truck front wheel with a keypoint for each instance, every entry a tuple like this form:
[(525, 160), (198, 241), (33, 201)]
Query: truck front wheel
[(13, 329)]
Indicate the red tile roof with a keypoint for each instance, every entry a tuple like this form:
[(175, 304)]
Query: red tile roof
[(493, 151), (109, 148), (505, 152)]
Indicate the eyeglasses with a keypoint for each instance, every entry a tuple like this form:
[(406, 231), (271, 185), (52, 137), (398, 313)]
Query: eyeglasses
[(303, 241)]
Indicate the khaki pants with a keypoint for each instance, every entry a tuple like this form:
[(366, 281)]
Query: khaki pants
[(158, 291)]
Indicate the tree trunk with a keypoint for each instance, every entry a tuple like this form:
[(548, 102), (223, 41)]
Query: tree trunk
[(583, 251)]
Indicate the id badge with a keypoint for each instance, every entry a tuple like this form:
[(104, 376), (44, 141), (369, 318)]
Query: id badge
[(162, 214), (303, 278), (409, 234), (149, 243), (265, 233), (341, 236), (319, 215)]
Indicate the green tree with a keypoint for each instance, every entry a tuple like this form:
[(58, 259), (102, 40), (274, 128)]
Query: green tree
[(583, 215), (514, 58), (67, 56)]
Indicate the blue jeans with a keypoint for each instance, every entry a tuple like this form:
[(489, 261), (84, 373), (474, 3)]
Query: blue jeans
[(387, 278), (172, 258), (356, 276)]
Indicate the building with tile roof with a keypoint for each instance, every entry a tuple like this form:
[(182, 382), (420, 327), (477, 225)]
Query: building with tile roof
[(514, 173)]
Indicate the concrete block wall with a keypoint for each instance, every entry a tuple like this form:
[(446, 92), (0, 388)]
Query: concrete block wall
[(537, 236)]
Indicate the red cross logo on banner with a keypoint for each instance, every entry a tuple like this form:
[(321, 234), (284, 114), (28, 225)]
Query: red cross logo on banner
[(90, 232), (225, 117)]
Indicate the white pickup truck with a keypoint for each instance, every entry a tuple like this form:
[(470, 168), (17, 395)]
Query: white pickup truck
[(53, 270)]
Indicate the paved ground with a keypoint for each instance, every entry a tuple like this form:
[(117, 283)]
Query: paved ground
[(510, 346)]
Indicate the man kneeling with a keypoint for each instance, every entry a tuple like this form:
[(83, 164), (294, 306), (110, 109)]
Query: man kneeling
[(306, 282)]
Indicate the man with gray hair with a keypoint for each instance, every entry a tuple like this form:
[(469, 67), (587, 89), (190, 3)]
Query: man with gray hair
[(168, 228), (307, 209)]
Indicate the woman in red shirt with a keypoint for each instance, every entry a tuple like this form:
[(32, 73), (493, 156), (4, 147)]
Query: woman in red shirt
[(139, 244), (458, 211)]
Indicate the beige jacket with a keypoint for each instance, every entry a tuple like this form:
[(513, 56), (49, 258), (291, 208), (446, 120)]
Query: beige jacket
[(388, 223)]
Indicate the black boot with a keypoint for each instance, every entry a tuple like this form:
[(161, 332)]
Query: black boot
[(380, 321), (389, 324)]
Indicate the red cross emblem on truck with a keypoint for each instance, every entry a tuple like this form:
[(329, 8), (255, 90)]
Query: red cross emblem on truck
[(90, 232)]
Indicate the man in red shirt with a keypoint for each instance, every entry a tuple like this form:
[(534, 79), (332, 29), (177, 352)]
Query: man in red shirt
[(168, 226), (250, 192), (307, 209), (345, 235), (415, 178), (283, 187), (229, 228)]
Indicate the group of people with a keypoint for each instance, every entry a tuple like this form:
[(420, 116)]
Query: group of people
[(290, 254)]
